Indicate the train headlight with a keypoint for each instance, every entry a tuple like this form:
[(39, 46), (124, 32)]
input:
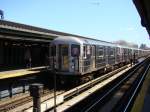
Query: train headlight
[(72, 66)]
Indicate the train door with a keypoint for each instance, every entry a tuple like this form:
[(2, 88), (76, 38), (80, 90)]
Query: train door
[(75, 53), (106, 54), (63, 57), (93, 57), (117, 55), (122, 54)]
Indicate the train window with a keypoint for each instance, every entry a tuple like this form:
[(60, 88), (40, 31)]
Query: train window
[(100, 51), (88, 49), (111, 51), (75, 50), (125, 51), (84, 51), (64, 50), (53, 50), (118, 51)]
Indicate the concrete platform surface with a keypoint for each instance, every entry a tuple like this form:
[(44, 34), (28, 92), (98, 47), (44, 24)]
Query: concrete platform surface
[(20, 72)]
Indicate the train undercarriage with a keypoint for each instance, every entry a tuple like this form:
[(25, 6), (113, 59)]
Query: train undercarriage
[(80, 79)]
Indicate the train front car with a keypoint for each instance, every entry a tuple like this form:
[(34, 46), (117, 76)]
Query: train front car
[(65, 55)]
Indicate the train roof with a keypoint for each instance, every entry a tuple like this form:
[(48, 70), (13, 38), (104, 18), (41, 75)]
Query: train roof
[(88, 41), (77, 40), (66, 40), (97, 42)]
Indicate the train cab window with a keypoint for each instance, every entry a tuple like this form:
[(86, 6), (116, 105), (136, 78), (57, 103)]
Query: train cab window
[(53, 50), (64, 50), (75, 50)]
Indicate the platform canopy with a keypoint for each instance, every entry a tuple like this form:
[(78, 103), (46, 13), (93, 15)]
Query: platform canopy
[(143, 8)]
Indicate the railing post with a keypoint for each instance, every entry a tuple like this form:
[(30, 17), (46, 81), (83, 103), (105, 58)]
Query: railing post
[(35, 92), (10, 90), (55, 90)]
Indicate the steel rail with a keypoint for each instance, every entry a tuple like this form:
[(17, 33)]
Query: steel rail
[(135, 91), (130, 74), (20, 102), (87, 85), (66, 94)]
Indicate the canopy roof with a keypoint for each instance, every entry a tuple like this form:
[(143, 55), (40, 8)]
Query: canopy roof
[(143, 8)]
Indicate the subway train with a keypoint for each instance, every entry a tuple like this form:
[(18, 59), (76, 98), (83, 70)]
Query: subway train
[(74, 56)]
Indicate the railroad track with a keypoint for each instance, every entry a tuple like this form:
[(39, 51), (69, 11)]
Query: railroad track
[(15, 105), (80, 89), (48, 105), (116, 95), (131, 94), (9, 106)]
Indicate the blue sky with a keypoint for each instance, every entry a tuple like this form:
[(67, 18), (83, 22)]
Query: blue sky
[(108, 20)]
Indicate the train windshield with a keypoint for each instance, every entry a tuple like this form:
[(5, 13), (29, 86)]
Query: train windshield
[(75, 50), (63, 57)]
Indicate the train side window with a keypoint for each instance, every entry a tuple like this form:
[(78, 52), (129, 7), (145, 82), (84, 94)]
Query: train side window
[(111, 51), (100, 51), (84, 51), (125, 51), (75, 50), (118, 51), (87, 51)]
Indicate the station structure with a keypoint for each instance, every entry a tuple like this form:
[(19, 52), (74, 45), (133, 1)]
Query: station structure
[(18, 40), (143, 8)]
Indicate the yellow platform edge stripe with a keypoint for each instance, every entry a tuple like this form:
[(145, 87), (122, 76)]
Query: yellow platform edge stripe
[(17, 74)]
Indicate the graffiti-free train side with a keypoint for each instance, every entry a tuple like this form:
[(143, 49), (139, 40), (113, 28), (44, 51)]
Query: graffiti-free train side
[(74, 56)]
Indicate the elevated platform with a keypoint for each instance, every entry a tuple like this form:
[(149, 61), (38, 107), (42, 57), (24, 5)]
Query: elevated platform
[(21, 72)]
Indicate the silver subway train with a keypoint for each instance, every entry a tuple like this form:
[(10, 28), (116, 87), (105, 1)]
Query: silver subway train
[(79, 56)]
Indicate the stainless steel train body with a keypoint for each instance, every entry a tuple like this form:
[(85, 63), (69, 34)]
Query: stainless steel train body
[(79, 56)]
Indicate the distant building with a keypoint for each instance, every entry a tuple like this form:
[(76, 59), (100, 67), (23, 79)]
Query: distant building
[(143, 46)]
